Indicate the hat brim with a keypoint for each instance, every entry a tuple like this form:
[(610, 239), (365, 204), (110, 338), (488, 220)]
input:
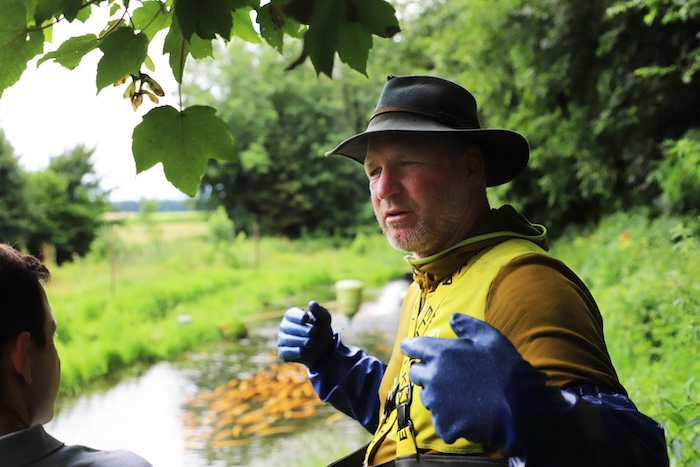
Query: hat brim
[(506, 152)]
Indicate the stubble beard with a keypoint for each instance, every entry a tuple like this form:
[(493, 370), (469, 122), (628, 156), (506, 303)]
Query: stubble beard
[(426, 236), (423, 239), (410, 241)]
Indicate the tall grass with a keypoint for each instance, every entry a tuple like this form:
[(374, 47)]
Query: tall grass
[(644, 274), (144, 296)]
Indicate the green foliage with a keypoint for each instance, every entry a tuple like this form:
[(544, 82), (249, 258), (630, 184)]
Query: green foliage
[(678, 173), (148, 210), (55, 211), (668, 12), (183, 142), (596, 87), (600, 89), (14, 224), (326, 28), (222, 228), (71, 52), (591, 113), (124, 52), (18, 44), (560, 72), (282, 124), (643, 273), (359, 244), (65, 206)]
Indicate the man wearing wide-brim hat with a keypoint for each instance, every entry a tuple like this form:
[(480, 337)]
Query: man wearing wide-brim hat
[(500, 354)]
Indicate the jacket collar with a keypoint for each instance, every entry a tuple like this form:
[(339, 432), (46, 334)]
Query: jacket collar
[(497, 226)]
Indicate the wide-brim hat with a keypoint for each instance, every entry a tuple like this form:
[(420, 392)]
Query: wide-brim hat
[(428, 104)]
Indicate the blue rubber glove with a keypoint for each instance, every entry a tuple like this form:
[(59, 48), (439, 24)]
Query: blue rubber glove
[(463, 380), (477, 386), (305, 336)]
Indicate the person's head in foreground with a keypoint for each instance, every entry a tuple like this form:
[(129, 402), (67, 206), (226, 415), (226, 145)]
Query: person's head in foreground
[(30, 373), (30, 364)]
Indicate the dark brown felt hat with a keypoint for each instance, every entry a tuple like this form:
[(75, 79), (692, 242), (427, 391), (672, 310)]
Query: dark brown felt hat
[(428, 104)]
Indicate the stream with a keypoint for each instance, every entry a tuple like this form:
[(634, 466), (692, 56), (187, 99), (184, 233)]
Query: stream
[(229, 404)]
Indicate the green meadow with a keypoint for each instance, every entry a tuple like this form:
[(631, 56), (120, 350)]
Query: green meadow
[(154, 288), (158, 285)]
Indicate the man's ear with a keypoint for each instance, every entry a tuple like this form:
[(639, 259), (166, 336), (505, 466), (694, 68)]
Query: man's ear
[(474, 160), (20, 358)]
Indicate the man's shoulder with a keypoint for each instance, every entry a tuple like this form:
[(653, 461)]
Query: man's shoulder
[(36, 448), (84, 456)]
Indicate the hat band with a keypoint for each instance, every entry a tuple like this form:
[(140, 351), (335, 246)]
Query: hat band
[(441, 117)]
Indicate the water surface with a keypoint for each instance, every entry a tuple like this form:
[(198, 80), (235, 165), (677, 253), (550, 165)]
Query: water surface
[(155, 416)]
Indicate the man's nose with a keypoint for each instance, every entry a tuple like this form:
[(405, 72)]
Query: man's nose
[(388, 184)]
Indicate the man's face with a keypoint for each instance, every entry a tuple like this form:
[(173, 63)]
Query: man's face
[(418, 193), (46, 371)]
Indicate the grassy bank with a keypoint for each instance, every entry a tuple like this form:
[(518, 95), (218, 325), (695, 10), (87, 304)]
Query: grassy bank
[(154, 289), (645, 277), (142, 298)]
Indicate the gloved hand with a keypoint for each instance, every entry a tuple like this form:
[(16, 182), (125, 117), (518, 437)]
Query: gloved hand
[(477, 386), (463, 380), (305, 336)]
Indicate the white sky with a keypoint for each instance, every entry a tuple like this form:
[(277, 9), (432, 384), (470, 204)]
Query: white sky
[(52, 109)]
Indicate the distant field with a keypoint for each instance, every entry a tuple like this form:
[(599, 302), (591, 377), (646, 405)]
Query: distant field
[(134, 228), (159, 217)]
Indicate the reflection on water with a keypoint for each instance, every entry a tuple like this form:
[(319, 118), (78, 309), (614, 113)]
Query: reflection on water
[(268, 403), (142, 415), (225, 405)]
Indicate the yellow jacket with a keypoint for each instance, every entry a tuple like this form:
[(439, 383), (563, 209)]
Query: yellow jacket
[(500, 274)]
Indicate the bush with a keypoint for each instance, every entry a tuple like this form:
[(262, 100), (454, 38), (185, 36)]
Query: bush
[(678, 173), (222, 228), (643, 274)]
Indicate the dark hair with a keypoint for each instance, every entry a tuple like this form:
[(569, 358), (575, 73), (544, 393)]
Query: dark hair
[(21, 300)]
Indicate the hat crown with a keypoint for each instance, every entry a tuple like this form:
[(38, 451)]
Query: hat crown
[(422, 105), (439, 99)]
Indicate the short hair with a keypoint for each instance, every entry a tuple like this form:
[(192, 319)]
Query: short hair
[(21, 299)]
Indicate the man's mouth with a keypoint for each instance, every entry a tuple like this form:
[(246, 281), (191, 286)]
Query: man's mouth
[(395, 215)]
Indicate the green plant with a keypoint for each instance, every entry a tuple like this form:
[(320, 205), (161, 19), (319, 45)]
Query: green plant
[(184, 139), (222, 228), (642, 272), (678, 173)]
